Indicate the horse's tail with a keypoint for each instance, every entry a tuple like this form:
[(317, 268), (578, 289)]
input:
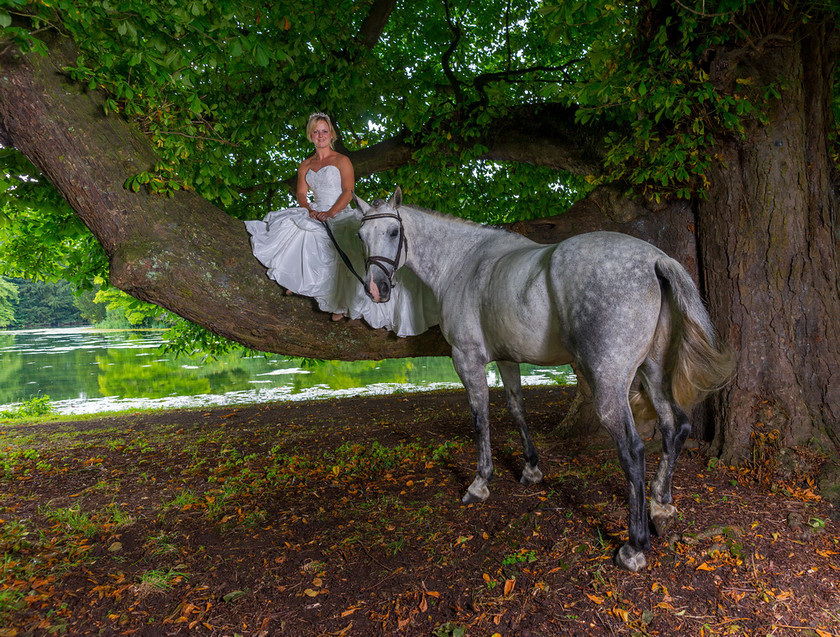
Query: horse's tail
[(700, 364), (696, 363)]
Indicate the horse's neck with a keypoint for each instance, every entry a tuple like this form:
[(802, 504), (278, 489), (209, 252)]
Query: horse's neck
[(438, 245)]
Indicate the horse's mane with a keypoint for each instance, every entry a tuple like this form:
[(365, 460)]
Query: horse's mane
[(453, 219)]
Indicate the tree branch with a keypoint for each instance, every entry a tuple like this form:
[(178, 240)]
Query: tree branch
[(446, 58), (374, 24), (559, 143)]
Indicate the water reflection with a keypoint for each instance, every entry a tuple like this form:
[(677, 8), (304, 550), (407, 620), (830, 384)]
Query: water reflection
[(85, 370)]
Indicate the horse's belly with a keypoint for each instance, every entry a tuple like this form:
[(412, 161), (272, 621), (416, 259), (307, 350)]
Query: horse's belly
[(538, 341), (549, 354)]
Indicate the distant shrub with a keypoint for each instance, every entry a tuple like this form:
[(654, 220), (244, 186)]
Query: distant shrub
[(37, 406)]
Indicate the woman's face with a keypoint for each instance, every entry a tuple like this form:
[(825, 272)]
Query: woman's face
[(321, 134)]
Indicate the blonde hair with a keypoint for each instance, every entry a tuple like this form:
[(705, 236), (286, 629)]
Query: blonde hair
[(313, 122)]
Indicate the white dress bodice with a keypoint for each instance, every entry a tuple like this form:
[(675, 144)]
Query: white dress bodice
[(325, 185)]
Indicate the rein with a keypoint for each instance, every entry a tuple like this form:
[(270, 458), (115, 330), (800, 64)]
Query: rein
[(373, 260), (344, 256)]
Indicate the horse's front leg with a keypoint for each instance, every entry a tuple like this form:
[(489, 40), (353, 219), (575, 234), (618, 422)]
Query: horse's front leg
[(512, 380), (471, 370)]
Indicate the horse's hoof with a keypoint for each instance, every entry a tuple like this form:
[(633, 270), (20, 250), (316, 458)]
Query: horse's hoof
[(630, 559), (531, 475), (663, 517), (475, 494)]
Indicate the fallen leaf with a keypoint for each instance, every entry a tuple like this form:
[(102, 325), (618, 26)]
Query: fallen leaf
[(509, 584)]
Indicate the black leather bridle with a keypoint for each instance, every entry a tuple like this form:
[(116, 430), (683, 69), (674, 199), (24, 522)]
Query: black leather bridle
[(375, 259), (401, 245)]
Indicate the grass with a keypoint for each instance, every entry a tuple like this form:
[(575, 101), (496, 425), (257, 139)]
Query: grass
[(158, 580), (36, 407), (72, 519)]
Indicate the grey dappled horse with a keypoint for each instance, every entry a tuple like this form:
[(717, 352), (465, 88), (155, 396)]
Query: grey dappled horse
[(628, 315)]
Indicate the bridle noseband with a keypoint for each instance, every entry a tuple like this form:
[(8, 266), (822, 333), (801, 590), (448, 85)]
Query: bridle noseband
[(402, 245)]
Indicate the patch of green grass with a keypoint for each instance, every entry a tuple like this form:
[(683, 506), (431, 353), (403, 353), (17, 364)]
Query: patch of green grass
[(392, 548), (161, 544), (15, 536), (72, 519), (184, 499), (116, 516), (159, 580), (522, 557), (11, 599)]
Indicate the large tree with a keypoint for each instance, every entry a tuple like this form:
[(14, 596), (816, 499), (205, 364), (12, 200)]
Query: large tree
[(706, 128)]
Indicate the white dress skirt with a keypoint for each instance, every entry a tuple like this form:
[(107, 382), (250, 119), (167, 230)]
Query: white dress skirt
[(300, 256)]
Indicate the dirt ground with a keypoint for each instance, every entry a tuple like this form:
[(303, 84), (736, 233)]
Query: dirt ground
[(343, 517)]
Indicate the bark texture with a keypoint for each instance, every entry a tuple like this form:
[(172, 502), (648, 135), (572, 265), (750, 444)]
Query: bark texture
[(769, 249)]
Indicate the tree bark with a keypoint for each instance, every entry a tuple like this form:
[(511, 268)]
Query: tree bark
[(769, 250)]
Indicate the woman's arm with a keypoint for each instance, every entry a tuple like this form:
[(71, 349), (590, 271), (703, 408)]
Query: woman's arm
[(302, 187)]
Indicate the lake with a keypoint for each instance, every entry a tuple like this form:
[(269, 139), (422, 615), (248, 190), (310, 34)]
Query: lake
[(87, 370)]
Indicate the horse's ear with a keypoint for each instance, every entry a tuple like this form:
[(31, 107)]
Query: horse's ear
[(361, 204), (396, 199)]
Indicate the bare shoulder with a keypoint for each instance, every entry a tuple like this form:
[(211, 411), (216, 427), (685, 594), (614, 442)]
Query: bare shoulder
[(342, 161), (345, 166)]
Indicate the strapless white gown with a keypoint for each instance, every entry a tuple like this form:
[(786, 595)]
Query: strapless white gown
[(299, 255)]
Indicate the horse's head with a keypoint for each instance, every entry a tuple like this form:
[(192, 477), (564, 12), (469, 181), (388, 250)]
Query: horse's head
[(384, 243)]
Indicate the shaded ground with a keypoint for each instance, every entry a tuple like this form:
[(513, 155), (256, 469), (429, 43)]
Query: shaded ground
[(342, 517)]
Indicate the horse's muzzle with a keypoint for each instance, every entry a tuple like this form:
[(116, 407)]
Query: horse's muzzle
[(378, 293)]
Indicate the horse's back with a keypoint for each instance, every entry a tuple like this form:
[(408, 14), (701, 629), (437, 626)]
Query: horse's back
[(594, 295)]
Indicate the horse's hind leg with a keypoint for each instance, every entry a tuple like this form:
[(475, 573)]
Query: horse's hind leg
[(471, 370), (675, 427), (512, 381), (614, 412)]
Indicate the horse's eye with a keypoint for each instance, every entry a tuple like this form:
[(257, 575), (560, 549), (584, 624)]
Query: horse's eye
[(393, 233)]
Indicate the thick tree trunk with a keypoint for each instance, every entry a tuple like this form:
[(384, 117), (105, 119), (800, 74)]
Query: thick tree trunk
[(769, 249)]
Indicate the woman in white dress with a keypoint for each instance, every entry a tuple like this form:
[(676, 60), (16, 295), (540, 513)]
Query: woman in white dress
[(296, 250)]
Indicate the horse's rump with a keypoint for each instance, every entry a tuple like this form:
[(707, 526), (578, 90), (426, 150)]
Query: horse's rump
[(694, 361)]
